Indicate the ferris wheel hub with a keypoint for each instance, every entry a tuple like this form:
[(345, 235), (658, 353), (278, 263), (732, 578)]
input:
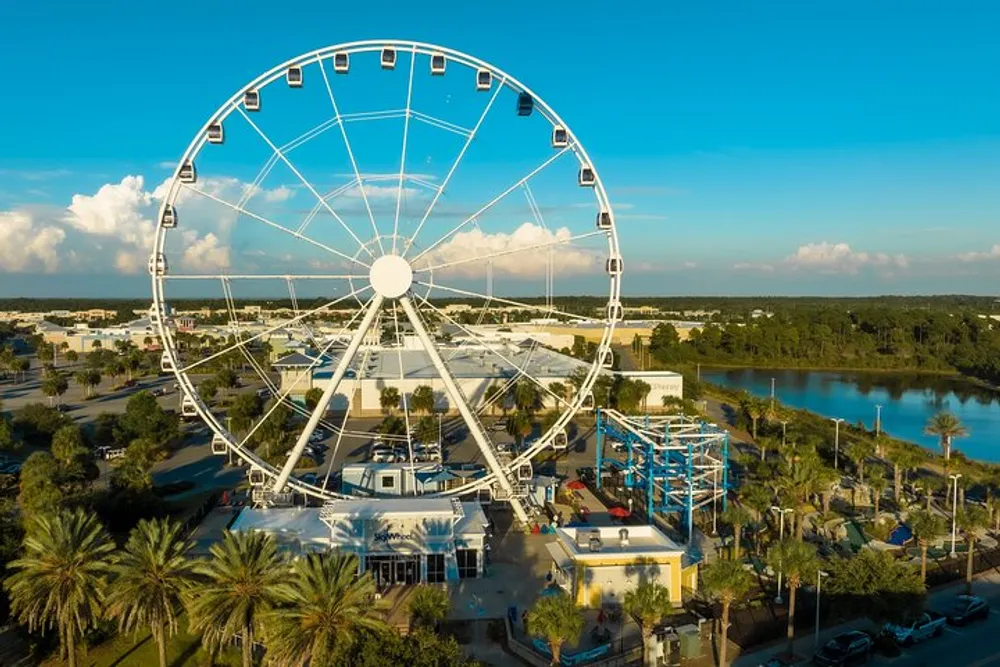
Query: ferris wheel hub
[(391, 276)]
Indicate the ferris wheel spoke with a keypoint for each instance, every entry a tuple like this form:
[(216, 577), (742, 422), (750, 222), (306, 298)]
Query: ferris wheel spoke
[(270, 223), (493, 202), (270, 330), (402, 158), (492, 348), (509, 302), (283, 397), (373, 308), (305, 182), (275, 276), (509, 251), (350, 153), (458, 400), (454, 166)]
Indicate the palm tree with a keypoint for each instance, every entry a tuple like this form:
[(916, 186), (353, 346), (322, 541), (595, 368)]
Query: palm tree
[(924, 526), (947, 427), (766, 443), (428, 606), (321, 611), (797, 561), (725, 581), (557, 619), (737, 517), (244, 579), (902, 458), (388, 399), (152, 574), (648, 603), (756, 409), (519, 426), (970, 520), (60, 580), (495, 394), (877, 483), (859, 451), (799, 482)]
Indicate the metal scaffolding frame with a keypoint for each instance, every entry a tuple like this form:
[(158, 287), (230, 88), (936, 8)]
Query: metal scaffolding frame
[(679, 463)]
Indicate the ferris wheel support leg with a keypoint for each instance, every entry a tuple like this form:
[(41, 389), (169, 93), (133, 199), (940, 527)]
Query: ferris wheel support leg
[(331, 389), (463, 409)]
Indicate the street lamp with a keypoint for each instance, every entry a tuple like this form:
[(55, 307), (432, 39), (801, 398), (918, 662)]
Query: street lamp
[(819, 578), (836, 442), (715, 500), (784, 424), (878, 419), (781, 535), (954, 511)]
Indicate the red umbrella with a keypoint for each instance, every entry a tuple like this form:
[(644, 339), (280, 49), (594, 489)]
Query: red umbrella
[(618, 512), (576, 485)]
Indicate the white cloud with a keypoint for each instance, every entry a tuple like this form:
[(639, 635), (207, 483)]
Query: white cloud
[(120, 211), (382, 191), (840, 258), (24, 245), (975, 256), (206, 254), (279, 194), (751, 266), (567, 259)]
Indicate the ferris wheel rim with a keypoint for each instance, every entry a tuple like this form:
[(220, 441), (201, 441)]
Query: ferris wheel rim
[(318, 56)]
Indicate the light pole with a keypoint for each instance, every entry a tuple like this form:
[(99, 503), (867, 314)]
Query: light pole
[(715, 500), (440, 431), (836, 442), (954, 511), (784, 424), (819, 578), (781, 535), (878, 419)]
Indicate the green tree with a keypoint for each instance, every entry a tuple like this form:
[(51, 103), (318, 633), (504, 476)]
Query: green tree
[(54, 385), (495, 395), (559, 389), (60, 579), (527, 397), (426, 429), (874, 584), (226, 379), (519, 426), (243, 580), (797, 561), (39, 490), (145, 419), (243, 411), (925, 527), (737, 518), (725, 581), (153, 572), (648, 603), (7, 440), (388, 399), (67, 444), (428, 606), (947, 427), (556, 619), (72, 356), (134, 469), (313, 394), (877, 483), (859, 451), (970, 520), (422, 399), (207, 390)]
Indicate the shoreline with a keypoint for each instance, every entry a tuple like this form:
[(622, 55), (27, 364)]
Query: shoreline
[(846, 369)]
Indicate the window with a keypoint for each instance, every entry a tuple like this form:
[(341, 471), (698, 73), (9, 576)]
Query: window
[(466, 563), (435, 568), (388, 482)]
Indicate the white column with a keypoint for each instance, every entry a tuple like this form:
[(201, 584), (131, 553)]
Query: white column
[(485, 446), (331, 389)]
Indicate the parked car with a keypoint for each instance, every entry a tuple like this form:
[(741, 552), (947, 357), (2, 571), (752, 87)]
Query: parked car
[(108, 453), (317, 435), (383, 455), (159, 391), (129, 383), (309, 478), (967, 608), (499, 425), (849, 648), (928, 624)]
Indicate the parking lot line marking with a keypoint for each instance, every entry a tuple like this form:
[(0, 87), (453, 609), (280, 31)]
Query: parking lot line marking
[(953, 631), (985, 661)]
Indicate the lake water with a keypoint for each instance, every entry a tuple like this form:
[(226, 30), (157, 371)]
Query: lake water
[(907, 400)]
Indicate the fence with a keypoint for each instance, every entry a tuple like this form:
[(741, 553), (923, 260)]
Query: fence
[(627, 657)]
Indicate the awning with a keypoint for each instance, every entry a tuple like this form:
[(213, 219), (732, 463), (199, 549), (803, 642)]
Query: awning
[(436, 476), (559, 555)]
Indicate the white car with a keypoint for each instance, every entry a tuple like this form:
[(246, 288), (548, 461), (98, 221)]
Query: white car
[(383, 455)]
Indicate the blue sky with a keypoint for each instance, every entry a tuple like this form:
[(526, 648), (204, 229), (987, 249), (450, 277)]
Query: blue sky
[(781, 148)]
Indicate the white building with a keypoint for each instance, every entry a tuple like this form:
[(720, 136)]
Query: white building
[(401, 541)]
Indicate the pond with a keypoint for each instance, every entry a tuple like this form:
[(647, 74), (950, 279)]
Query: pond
[(908, 401)]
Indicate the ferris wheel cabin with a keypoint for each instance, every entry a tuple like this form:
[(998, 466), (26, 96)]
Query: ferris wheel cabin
[(483, 79), (257, 477), (188, 408), (251, 100), (437, 64), (341, 62), (561, 441), (157, 264), (560, 137), (169, 218), (188, 174), (166, 363), (294, 76), (614, 266), (587, 177), (388, 58), (215, 133), (219, 445), (525, 104), (604, 220), (615, 311), (607, 358)]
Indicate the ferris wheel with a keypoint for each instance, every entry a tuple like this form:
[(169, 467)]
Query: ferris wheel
[(402, 197)]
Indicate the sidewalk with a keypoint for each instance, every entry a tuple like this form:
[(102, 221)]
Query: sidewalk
[(986, 585)]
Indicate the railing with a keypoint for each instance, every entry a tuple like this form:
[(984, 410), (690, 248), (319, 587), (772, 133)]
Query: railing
[(627, 658)]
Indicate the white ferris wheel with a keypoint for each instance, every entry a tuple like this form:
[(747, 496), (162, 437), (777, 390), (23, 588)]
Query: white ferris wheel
[(370, 184)]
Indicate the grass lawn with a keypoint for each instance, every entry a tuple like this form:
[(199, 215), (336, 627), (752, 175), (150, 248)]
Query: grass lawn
[(183, 650)]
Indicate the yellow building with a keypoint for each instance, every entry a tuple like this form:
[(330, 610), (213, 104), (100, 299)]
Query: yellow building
[(596, 566)]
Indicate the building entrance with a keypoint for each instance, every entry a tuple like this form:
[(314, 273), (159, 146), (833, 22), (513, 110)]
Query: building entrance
[(388, 570)]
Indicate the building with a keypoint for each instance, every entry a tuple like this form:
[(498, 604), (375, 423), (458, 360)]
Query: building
[(661, 384), (409, 541), (596, 566), (398, 479)]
